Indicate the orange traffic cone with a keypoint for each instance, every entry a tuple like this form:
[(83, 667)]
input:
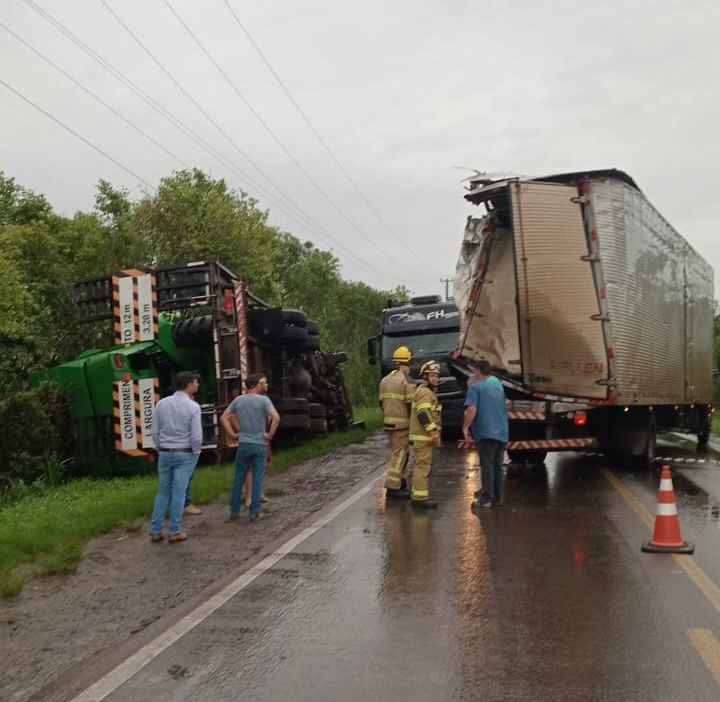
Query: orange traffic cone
[(666, 537)]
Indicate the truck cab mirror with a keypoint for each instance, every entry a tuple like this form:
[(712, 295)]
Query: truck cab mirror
[(372, 350)]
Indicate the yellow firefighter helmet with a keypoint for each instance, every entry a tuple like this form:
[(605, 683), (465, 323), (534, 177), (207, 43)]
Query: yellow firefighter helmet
[(402, 354), (429, 367)]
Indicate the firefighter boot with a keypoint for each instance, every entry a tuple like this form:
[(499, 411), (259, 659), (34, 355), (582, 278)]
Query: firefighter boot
[(401, 493)]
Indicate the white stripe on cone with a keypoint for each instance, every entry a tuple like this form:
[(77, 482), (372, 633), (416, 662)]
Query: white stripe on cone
[(666, 510)]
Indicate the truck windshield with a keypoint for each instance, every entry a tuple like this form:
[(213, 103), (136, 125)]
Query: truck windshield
[(421, 345)]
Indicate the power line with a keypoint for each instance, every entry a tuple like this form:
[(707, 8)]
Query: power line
[(270, 131), (200, 108), (223, 132), (179, 124), (94, 96), (74, 133), (317, 134)]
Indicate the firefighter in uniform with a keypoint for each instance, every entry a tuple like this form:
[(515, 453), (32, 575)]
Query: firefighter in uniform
[(424, 432), (395, 395)]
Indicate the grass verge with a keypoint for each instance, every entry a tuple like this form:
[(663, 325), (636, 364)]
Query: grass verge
[(43, 532)]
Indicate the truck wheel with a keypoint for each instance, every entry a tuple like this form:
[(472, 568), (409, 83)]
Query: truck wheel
[(295, 421), (194, 333), (316, 410), (534, 457), (295, 336), (295, 317), (312, 344), (293, 405), (313, 327), (318, 426)]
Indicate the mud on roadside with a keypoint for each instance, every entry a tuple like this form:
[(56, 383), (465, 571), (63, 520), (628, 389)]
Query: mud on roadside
[(125, 584)]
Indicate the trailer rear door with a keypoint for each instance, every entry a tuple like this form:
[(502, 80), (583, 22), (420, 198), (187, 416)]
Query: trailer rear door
[(562, 346)]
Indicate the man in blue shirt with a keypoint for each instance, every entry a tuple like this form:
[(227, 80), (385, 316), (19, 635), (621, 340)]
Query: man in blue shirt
[(177, 433), (258, 421), (486, 423)]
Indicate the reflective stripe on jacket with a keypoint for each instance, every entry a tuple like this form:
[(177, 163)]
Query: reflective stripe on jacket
[(395, 395), (426, 400)]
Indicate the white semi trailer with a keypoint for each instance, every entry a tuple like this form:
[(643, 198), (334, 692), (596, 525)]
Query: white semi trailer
[(594, 312)]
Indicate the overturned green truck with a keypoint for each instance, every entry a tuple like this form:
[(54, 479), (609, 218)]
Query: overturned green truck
[(197, 317)]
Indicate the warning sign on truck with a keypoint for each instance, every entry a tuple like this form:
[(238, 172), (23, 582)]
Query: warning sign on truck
[(133, 415), (134, 306)]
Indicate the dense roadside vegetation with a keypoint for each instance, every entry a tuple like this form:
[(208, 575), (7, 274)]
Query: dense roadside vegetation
[(44, 528), (189, 217)]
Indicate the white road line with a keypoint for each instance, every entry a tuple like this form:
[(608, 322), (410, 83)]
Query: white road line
[(132, 665)]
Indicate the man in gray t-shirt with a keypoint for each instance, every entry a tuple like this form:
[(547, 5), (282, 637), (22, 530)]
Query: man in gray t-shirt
[(258, 421)]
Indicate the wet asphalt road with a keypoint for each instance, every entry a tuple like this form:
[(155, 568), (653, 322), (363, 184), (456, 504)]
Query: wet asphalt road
[(546, 598)]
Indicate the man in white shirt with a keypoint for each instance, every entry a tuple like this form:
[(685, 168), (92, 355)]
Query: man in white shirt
[(177, 432)]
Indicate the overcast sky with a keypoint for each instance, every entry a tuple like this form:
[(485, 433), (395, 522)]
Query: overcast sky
[(402, 92)]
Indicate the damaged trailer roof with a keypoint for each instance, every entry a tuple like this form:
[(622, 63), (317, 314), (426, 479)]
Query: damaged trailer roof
[(482, 189)]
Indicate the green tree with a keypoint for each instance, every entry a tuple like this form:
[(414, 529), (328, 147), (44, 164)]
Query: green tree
[(19, 205), (193, 217)]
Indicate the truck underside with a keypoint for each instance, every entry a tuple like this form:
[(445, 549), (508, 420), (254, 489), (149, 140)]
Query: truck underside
[(197, 317)]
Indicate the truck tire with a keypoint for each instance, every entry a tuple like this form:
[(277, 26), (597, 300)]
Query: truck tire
[(312, 344), (317, 411), (294, 422), (295, 317), (313, 327), (293, 336), (292, 405), (194, 333), (534, 457), (318, 426)]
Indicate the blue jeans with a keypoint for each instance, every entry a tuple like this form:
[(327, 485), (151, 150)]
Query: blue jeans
[(491, 468), (175, 471), (188, 499), (249, 456)]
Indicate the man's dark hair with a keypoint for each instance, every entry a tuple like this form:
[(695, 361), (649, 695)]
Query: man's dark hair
[(184, 378), (252, 380), (483, 366)]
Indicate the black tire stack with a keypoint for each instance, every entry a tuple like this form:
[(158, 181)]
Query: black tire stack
[(293, 339)]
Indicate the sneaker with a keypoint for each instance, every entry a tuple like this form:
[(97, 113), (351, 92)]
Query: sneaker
[(192, 510), (155, 538), (256, 517), (234, 516), (484, 504), (425, 504), (175, 538)]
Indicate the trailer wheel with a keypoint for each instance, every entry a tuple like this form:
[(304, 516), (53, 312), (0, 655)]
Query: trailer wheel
[(295, 336), (318, 426), (317, 411), (312, 343), (295, 421), (293, 405), (294, 317), (194, 333), (534, 457)]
